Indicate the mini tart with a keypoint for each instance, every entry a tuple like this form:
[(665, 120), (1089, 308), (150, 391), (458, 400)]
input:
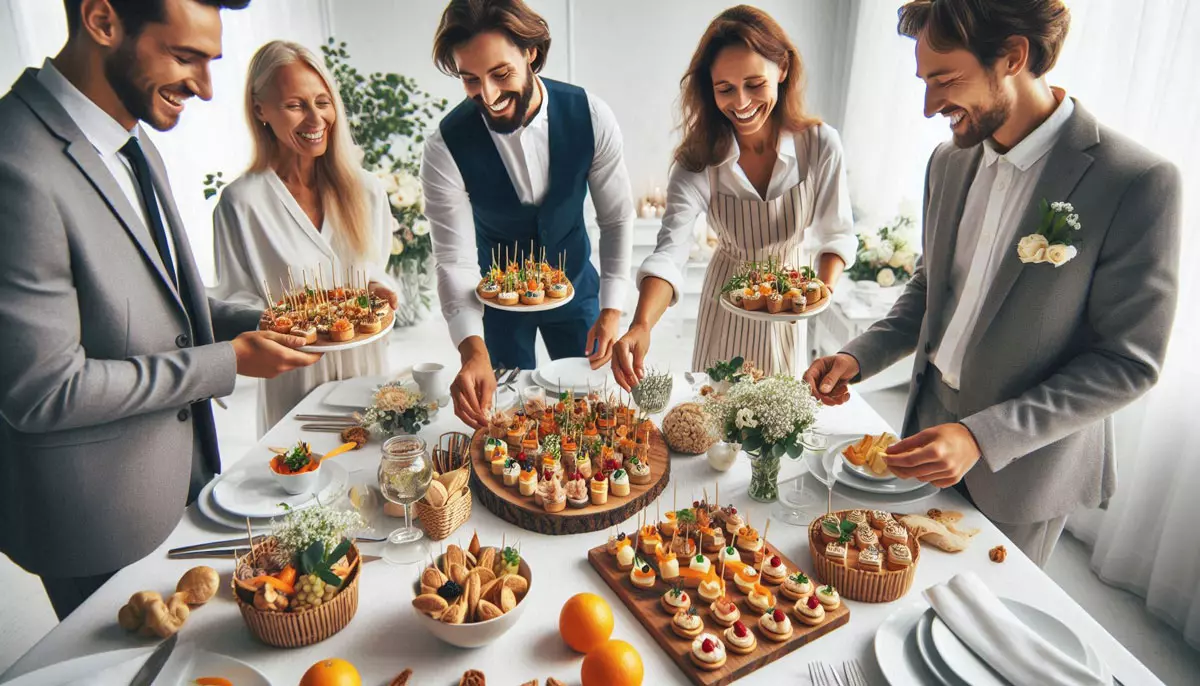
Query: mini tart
[(618, 483), (512, 472), (894, 532), (810, 612), (858, 517), (527, 483), (831, 529), (797, 586), (870, 560), (773, 573), (729, 553), (598, 491), (700, 564), (836, 553), (498, 462), (828, 597), (643, 576), (532, 297), (557, 290), (745, 579), (734, 523), (899, 557), (880, 518), (760, 599), (748, 543), (710, 661), (675, 603), (778, 630), (508, 298), (687, 625), (866, 538), (639, 472), (711, 589), (341, 331), (724, 613), (309, 333), (367, 325), (712, 542), (742, 645), (489, 290), (625, 557)]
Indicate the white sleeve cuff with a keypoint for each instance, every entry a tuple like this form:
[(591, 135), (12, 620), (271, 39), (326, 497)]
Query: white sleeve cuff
[(465, 324), (843, 245), (612, 293), (663, 267)]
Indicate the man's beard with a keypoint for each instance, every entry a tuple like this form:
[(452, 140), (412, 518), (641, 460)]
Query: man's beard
[(517, 120), (121, 70), (982, 124)]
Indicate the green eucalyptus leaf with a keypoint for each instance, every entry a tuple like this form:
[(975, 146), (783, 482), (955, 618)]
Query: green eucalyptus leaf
[(329, 577)]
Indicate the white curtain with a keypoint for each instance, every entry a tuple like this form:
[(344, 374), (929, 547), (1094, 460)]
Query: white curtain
[(1135, 65), (211, 136)]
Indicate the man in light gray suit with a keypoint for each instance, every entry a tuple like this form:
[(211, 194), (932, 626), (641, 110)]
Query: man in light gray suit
[(111, 353), (1023, 349)]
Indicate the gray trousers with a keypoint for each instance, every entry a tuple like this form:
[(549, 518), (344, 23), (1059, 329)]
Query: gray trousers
[(937, 404)]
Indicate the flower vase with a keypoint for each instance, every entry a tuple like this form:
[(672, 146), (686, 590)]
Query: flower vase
[(764, 476), (416, 285), (722, 455)]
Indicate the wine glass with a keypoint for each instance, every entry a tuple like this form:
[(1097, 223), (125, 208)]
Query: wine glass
[(364, 499), (800, 504), (405, 472), (535, 400)]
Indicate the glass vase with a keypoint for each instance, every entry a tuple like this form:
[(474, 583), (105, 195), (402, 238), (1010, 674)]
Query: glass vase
[(416, 287), (764, 476)]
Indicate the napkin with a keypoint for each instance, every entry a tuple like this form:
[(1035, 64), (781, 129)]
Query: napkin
[(995, 634)]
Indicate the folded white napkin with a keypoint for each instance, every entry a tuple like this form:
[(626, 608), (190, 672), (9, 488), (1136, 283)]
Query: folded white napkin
[(995, 634)]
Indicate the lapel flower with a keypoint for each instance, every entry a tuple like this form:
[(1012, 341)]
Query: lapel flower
[(1054, 240)]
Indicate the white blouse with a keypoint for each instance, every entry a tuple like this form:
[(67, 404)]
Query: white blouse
[(259, 230), (688, 196)]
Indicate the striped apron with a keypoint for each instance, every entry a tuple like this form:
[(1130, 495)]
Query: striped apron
[(753, 230)]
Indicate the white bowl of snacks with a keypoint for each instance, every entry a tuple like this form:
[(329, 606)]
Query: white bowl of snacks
[(471, 600)]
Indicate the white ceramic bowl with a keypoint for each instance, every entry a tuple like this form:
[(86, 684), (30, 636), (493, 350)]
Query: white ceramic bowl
[(295, 484), (477, 634)]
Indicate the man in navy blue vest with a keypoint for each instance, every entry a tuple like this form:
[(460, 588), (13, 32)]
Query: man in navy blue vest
[(511, 165)]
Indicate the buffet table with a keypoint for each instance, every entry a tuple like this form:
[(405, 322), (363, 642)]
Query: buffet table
[(383, 639)]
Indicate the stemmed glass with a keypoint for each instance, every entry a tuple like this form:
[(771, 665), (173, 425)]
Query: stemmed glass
[(800, 504), (405, 472)]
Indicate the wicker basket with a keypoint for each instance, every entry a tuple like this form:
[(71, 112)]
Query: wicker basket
[(440, 522), (298, 629), (856, 584)]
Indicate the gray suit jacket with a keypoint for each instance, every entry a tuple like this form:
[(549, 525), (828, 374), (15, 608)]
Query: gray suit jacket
[(106, 373), (1055, 352)]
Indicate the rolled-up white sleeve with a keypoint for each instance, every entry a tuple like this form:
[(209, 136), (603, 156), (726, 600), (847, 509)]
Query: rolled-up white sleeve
[(448, 208), (833, 220), (608, 181), (687, 198)]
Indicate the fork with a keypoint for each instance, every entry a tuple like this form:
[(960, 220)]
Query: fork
[(854, 674), (512, 377), (499, 371), (821, 675)]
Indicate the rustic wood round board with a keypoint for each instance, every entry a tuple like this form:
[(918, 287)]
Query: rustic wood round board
[(507, 503)]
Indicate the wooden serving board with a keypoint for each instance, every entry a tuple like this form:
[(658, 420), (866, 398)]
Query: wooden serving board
[(507, 503), (646, 607)]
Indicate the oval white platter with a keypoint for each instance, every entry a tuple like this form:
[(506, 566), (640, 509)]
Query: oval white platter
[(764, 316), (548, 304)]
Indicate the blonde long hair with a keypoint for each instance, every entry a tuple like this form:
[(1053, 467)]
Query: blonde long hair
[(342, 191)]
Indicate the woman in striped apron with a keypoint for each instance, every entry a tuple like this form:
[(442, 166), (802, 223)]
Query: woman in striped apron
[(765, 173)]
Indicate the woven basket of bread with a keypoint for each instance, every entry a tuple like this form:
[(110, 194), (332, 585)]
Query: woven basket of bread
[(447, 504), (298, 629)]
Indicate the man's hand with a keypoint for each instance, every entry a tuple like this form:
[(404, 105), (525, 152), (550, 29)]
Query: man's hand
[(380, 291), (829, 378), (628, 356), (940, 455), (475, 384), (601, 337), (266, 354)]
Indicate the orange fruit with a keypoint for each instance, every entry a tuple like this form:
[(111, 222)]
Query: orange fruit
[(614, 663), (331, 672), (585, 622)]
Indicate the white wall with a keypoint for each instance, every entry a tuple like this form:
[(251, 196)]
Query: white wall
[(631, 53)]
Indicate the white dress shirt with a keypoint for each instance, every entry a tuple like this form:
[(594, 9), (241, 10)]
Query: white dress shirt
[(688, 195), (526, 155), (988, 231), (107, 137)]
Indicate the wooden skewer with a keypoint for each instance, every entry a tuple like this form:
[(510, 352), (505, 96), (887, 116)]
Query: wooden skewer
[(250, 536)]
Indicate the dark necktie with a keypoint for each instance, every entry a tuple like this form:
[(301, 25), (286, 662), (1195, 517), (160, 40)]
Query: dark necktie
[(141, 171)]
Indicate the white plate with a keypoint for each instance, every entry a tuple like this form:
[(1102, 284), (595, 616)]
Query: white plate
[(862, 471), (353, 343), (213, 513), (193, 664), (358, 392), (572, 372), (548, 304), (250, 490), (764, 316), (971, 668), (933, 662), (882, 501), (80, 667), (896, 648), (119, 666), (861, 479)]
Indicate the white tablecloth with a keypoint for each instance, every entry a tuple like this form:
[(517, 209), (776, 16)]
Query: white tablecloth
[(383, 639)]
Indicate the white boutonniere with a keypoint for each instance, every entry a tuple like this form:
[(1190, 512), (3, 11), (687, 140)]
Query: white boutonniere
[(1055, 238)]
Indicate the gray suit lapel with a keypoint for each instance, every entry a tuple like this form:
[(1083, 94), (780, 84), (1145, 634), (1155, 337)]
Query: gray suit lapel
[(1064, 168), (85, 157)]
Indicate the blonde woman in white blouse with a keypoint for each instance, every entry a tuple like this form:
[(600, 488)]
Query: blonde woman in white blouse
[(764, 172), (305, 202)]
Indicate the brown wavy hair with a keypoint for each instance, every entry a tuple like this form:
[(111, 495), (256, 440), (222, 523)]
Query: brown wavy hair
[(707, 133), (464, 19)]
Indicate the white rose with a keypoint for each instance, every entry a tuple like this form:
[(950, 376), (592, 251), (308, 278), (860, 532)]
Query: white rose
[(901, 258), (885, 251), (397, 246), (870, 241), (408, 191), (1059, 254), (868, 256), (886, 278), (745, 419), (1032, 248), (390, 185), (420, 227)]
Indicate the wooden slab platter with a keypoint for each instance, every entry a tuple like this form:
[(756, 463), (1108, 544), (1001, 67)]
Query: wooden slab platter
[(647, 608), (507, 503)]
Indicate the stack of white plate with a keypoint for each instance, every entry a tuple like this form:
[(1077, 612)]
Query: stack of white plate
[(573, 374), (861, 486), (250, 491), (914, 646)]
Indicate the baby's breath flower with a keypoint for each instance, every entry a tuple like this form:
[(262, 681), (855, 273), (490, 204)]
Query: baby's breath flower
[(301, 528)]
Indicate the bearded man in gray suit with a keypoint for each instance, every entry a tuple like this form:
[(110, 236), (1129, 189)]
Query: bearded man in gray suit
[(111, 351), (1023, 349)]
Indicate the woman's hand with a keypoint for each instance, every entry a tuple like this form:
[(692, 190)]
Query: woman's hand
[(383, 293), (629, 356)]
